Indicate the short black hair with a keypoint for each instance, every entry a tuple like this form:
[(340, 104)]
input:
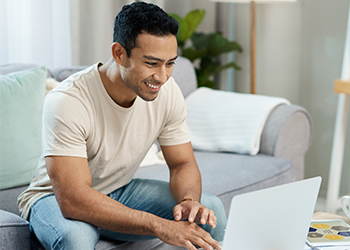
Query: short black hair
[(140, 17)]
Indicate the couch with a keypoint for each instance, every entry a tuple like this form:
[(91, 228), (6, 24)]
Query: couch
[(285, 139)]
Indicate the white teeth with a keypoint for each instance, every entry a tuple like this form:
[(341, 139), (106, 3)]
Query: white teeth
[(152, 86)]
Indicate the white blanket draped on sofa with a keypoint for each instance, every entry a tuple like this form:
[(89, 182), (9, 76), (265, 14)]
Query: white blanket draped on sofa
[(228, 121)]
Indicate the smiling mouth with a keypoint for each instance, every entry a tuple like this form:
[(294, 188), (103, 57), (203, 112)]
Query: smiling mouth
[(155, 87)]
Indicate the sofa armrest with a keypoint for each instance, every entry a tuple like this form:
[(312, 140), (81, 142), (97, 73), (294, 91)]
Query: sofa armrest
[(14, 231), (288, 134)]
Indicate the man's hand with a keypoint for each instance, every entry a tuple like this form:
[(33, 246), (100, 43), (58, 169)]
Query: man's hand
[(193, 211), (186, 234), (185, 181)]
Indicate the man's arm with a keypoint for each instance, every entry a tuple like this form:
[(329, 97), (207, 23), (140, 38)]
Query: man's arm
[(186, 185), (71, 181), (185, 178)]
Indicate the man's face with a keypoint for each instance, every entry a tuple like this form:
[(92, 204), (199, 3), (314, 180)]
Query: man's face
[(150, 65)]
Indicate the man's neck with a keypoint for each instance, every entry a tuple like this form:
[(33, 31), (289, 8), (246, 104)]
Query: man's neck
[(114, 84)]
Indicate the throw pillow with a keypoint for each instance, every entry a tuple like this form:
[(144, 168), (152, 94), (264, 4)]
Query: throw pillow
[(21, 103)]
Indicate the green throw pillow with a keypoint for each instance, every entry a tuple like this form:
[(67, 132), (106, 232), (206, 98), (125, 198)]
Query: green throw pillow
[(21, 104)]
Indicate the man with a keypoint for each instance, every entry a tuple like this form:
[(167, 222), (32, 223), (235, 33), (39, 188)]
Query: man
[(97, 127)]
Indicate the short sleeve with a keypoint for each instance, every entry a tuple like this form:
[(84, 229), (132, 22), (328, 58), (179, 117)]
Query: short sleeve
[(65, 126), (175, 131)]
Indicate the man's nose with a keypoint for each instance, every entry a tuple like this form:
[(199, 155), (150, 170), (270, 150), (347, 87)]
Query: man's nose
[(161, 75)]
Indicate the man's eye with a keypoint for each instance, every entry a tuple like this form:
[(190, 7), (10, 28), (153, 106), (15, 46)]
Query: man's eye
[(171, 63), (151, 63)]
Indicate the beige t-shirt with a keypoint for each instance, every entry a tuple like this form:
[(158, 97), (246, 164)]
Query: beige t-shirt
[(80, 119)]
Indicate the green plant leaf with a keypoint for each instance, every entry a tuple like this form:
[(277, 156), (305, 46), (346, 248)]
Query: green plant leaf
[(200, 40), (193, 54), (211, 68), (231, 65), (179, 19), (190, 23), (205, 47), (219, 45), (215, 42), (220, 68), (204, 81)]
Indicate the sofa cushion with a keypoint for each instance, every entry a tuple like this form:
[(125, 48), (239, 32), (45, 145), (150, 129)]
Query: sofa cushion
[(8, 198), (21, 103), (226, 172), (229, 174), (233, 172), (14, 232)]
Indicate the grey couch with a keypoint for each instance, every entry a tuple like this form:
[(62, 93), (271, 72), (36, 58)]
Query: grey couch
[(285, 139)]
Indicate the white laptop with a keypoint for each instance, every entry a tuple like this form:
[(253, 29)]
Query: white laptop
[(276, 218)]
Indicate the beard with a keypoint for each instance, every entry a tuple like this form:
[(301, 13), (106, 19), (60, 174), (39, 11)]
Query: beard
[(140, 90)]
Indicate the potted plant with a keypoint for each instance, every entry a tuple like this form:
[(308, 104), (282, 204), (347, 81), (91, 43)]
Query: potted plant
[(203, 47)]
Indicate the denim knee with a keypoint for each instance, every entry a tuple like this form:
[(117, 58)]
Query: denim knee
[(56, 232), (214, 203), (80, 235)]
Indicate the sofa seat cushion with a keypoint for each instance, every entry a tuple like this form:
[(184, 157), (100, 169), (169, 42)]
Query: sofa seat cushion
[(14, 231), (229, 174), (225, 172)]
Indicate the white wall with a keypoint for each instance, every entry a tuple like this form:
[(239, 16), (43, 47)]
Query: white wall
[(92, 29), (321, 62), (278, 49), (299, 54)]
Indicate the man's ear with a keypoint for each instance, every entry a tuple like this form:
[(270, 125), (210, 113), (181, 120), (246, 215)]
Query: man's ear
[(118, 53)]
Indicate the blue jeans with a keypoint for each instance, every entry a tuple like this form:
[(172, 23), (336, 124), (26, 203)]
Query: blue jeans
[(56, 232)]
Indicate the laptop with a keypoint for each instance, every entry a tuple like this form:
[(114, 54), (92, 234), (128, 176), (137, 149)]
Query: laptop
[(276, 218)]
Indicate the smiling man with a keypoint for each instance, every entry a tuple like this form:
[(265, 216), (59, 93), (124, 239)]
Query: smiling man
[(144, 71), (98, 126)]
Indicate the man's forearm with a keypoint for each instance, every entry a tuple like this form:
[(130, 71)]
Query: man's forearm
[(186, 182), (185, 185), (102, 211)]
